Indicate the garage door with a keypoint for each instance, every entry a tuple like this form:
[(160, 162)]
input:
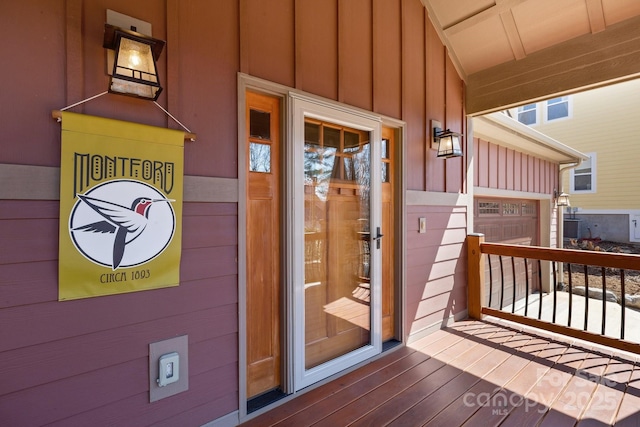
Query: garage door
[(512, 221)]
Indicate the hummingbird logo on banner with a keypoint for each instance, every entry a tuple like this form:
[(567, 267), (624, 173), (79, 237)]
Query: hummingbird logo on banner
[(122, 223)]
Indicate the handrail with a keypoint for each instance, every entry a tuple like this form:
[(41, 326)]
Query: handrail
[(478, 252), (573, 256)]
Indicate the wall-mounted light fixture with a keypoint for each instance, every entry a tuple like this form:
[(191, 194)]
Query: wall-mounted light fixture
[(134, 67), (448, 142), (562, 199)]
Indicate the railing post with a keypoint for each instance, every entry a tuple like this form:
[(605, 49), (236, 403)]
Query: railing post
[(476, 286)]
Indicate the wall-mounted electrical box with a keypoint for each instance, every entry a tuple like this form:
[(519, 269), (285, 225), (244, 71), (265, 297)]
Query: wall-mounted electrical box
[(168, 369)]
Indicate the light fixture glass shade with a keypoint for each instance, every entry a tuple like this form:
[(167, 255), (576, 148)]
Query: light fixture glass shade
[(563, 200), (134, 67), (449, 144)]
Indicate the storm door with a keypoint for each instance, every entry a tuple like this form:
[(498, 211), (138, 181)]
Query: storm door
[(337, 282)]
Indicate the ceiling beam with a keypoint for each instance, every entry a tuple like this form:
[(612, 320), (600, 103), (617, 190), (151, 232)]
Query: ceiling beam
[(596, 15), (511, 29), (585, 62), (500, 7)]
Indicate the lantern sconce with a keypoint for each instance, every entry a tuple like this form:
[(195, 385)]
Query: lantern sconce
[(446, 142), (134, 70), (561, 199)]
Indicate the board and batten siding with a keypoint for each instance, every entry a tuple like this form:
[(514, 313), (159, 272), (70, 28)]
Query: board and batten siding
[(86, 361), (503, 168)]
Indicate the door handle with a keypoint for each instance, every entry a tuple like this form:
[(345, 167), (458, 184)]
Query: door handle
[(378, 237)]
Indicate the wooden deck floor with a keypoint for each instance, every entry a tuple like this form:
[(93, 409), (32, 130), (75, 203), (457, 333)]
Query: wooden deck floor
[(477, 374)]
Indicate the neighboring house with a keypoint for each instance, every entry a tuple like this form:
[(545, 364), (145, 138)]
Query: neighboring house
[(602, 123), (516, 170), (318, 226)]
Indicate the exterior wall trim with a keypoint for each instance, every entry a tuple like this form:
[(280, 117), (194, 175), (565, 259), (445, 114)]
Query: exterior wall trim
[(494, 192), (431, 198), (25, 182)]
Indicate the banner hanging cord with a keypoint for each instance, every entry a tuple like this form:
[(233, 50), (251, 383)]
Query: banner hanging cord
[(170, 115), (85, 100), (190, 136)]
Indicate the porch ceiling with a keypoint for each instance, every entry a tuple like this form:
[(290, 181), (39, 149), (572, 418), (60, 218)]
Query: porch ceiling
[(514, 51)]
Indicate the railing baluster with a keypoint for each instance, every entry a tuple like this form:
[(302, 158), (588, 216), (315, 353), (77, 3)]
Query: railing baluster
[(513, 272), (526, 284), (624, 302), (540, 291), (562, 262), (604, 300), (586, 296), (555, 293), (490, 279), (502, 283), (570, 294)]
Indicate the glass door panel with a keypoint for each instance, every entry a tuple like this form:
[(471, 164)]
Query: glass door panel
[(337, 241)]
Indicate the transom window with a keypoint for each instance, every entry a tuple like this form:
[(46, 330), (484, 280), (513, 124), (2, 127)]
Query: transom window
[(340, 150)]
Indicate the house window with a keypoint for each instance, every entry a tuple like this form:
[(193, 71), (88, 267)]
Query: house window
[(558, 108), (583, 178), (528, 114)]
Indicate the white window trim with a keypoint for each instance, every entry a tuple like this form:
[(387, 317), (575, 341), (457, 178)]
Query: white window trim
[(537, 109), (545, 110), (594, 167)]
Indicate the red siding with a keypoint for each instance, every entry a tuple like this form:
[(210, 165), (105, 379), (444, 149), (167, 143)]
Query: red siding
[(26, 83), (207, 55), (413, 90), (454, 121), (435, 266), (64, 358), (387, 58), (267, 40), (436, 87), (506, 169), (85, 362), (355, 71), (316, 47)]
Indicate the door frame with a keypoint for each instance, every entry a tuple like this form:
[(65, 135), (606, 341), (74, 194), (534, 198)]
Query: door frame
[(307, 107), (246, 83)]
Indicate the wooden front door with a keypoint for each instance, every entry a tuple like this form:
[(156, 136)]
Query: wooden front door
[(388, 226), (263, 244)]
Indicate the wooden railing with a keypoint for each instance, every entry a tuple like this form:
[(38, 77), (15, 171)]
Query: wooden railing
[(479, 251)]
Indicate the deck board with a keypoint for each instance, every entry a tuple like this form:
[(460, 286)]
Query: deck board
[(476, 373)]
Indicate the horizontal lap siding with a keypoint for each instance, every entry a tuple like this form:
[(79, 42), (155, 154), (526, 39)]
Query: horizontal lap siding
[(61, 358), (436, 266), (86, 361)]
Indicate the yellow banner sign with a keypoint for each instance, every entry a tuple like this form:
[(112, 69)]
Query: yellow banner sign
[(120, 207)]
